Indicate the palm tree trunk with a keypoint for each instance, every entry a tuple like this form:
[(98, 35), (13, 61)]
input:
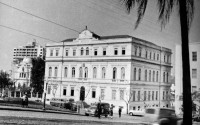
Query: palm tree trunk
[(187, 101)]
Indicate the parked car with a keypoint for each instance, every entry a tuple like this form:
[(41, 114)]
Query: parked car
[(58, 102), (91, 110), (160, 116), (139, 112), (105, 109)]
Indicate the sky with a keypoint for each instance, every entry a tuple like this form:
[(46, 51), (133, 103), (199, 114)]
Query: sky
[(50, 21)]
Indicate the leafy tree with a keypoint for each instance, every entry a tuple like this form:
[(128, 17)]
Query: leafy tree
[(186, 11), (5, 81), (37, 74)]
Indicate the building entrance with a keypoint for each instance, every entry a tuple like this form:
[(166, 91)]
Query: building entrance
[(82, 93)]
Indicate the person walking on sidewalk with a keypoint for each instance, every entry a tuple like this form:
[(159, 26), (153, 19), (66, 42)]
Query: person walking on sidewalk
[(120, 111), (111, 111)]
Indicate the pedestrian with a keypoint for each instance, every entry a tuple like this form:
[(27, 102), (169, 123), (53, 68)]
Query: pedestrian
[(99, 110), (120, 111), (111, 111), (26, 100), (23, 100)]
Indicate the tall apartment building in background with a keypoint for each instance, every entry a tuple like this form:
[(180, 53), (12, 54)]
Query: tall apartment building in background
[(194, 50), (115, 69), (21, 64), (31, 50)]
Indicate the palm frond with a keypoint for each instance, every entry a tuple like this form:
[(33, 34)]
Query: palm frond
[(165, 8), (190, 11), (142, 4)]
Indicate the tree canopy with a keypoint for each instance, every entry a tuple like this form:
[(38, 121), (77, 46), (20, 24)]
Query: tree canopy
[(37, 74)]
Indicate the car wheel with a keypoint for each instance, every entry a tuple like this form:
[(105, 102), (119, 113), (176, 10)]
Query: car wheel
[(131, 113)]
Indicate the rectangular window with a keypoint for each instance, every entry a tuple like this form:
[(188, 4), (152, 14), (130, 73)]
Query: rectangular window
[(115, 51), (194, 73), (95, 52), (113, 94), (194, 56), (194, 88), (149, 95), (51, 52), (104, 51), (66, 52), (121, 94), (57, 52), (138, 95), (145, 95), (93, 93), (74, 52), (64, 91), (49, 90), (123, 51), (133, 95), (152, 95), (72, 91), (163, 95), (156, 95), (102, 94), (167, 96)]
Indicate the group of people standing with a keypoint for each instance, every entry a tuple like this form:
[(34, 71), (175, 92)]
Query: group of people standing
[(109, 112)]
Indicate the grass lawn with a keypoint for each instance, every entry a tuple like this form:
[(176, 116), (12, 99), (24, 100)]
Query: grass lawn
[(16, 102)]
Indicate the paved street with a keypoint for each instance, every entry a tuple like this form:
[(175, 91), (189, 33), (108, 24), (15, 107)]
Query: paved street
[(39, 117)]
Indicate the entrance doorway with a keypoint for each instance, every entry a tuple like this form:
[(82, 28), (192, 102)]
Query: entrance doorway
[(82, 93)]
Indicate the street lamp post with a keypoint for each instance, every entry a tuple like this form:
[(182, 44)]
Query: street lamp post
[(45, 91)]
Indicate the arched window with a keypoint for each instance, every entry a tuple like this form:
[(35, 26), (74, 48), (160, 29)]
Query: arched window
[(114, 73), (80, 72), (164, 58), (140, 51), (167, 77), (122, 73), (82, 51), (153, 76), (150, 55), (145, 75), (157, 76), (157, 56), (163, 76), (146, 54), (94, 72), (50, 71), (86, 72), (154, 56), (150, 75), (65, 72), (87, 51), (103, 72), (56, 72), (73, 72), (136, 51), (139, 76), (134, 75)]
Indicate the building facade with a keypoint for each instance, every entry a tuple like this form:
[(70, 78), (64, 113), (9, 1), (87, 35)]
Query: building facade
[(31, 50), (119, 70), (194, 51)]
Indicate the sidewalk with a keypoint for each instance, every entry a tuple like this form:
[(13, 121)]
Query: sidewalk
[(64, 116)]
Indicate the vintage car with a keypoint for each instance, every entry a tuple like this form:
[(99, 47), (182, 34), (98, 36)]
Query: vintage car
[(58, 102), (139, 112), (160, 116), (91, 110)]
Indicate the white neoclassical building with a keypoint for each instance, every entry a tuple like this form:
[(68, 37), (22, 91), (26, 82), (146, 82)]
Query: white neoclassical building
[(117, 69)]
